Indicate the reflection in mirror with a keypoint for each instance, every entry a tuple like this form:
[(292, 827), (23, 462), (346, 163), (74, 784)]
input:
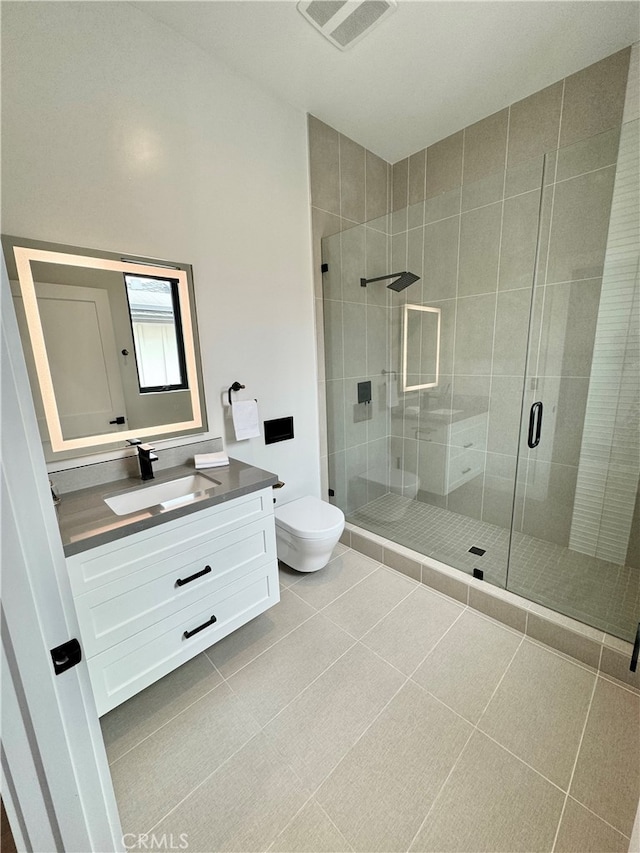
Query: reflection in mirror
[(420, 347), (110, 345)]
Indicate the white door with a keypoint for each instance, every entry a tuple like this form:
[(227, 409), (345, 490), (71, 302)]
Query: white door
[(56, 784), (81, 350)]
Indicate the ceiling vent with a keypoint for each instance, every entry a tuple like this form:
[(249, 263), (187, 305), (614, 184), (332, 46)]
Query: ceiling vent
[(345, 22)]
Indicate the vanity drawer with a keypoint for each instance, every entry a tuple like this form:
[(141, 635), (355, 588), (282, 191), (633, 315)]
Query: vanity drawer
[(111, 613), (465, 467), (107, 563), (128, 667)]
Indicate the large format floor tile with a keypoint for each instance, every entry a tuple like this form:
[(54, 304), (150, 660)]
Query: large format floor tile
[(542, 700), (310, 831), (465, 667), (242, 646), (583, 832), (491, 802), (316, 730), (607, 775), (144, 713), (381, 791), (150, 779), (276, 677), (363, 605), (412, 628), (340, 574), (243, 806)]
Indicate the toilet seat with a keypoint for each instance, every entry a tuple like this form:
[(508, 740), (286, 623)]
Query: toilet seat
[(310, 518)]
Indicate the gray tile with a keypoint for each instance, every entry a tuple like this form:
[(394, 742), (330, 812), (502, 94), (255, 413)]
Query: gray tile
[(444, 165), (519, 240), (400, 187), (534, 124), (356, 415), (616, 665), (409, 563), (568, 328), (492, 802), (336, 463), (417, 176), (474, 334), (583, 832), (341, 573), (276, 677), (442, 206), (492, 602), (376, 263), (287, 575), (483, 191), (607, 775), (310, 831), (594, 98), (319, 727), (510, 338), (588, 154), (240, 647), (333, 340), (368, 544), (466, 499), (352, 180), (564, 640), (381, 791), (524, 177), (411, 629), (376, 184), (504, 414), (356, 477), (334, 393), (440, 259), (323, 226), (565, 404), (355, 339), (324, 166), (580, 226), (499, 487), (446, 583), (465, 667), (542, 698), (357, 610), (147, 711), (485, 147), (550, 519), (152, 778), (353, 264), (255, 796), (479, 250)]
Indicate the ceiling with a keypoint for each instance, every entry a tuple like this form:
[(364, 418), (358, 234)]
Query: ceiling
[(433, 67)]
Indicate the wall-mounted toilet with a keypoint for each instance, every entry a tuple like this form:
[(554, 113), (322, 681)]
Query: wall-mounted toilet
[(307, 531)]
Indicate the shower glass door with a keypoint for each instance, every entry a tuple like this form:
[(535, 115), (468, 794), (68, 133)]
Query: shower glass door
[(576, 529), (430, 461)]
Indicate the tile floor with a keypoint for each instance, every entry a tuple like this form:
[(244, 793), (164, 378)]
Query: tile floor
[(599, 593), (366, 712)]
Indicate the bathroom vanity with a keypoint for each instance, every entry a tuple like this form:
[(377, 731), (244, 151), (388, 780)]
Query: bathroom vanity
[(157, 586)]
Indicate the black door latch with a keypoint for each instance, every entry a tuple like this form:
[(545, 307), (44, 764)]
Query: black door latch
[(66, 656)]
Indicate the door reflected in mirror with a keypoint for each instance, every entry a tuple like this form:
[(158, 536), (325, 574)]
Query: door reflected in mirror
[(110, 344)]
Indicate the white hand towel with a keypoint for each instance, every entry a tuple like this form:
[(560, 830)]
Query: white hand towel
[(392, 390), (211, 460), (245, 419)]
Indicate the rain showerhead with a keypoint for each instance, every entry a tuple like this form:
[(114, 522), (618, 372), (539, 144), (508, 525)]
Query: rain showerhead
[(402, 280)]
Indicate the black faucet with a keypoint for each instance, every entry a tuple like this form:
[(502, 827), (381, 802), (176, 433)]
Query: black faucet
[(146, 456)]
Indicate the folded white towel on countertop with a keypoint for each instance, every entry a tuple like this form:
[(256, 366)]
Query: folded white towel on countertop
[(245, 419), (211, 460)]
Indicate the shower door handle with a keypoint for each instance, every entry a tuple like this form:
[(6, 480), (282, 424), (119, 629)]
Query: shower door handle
[(535, 425)]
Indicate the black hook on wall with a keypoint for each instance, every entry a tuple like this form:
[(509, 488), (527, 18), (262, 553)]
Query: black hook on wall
[(235, 387)]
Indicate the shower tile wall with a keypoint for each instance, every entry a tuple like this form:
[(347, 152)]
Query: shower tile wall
[(465, 214), (349, 185)]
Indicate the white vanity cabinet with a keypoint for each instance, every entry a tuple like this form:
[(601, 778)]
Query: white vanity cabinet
[(456, 454), (152, 600)]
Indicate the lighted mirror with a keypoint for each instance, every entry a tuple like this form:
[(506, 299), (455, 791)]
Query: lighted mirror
[(110, 344), (420, 347)]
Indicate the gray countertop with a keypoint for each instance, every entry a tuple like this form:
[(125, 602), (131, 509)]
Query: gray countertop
[(86, 521)]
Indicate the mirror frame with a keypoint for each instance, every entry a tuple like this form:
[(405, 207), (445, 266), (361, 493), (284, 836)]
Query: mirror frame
[(405, 347), (26, 251)]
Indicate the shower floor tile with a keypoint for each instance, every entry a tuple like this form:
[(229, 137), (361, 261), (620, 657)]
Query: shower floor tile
[(593, 591), (468, 750)]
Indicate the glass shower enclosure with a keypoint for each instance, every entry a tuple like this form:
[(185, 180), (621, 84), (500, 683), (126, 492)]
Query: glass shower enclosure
[(501, 428)]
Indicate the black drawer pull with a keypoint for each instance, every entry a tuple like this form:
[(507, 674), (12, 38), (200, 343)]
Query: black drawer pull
[(466, 470), (204, 625), (467, 446), (183, 581)]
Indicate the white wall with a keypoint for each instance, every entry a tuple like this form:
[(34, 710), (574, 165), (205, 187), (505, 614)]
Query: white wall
[(119, 135)]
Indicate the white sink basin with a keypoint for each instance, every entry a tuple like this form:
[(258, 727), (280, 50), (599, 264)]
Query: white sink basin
[(167, 495)]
